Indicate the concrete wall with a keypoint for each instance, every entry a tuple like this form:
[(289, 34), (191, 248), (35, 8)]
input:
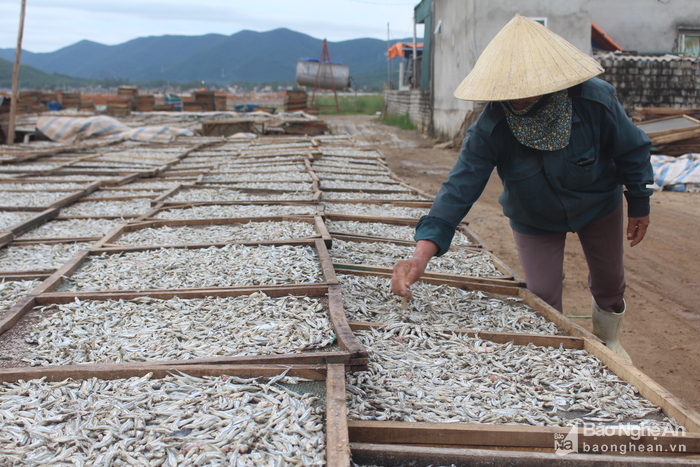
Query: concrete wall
[(645, 25), (466, 28), (415, 103)]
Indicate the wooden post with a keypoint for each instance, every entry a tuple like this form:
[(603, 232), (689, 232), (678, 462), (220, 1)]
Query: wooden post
[(15, 77)]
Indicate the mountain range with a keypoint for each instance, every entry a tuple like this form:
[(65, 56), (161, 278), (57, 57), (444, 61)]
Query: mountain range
[(246, 57)]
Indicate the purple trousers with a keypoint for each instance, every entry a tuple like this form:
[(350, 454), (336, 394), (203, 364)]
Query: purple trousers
[(542, 259)]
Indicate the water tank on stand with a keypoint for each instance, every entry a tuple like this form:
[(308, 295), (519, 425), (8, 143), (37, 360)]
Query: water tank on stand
[(332, 75)]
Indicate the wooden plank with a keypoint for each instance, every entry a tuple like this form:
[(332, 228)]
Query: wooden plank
[(167, 194), (550, 314), (505, 436), (16, 311), (422, 456), (5, 238), (346, 338), (29, 224), (57, 278), (118, 371), (337, 438), (542, 340), (326, 262), (323, 231)]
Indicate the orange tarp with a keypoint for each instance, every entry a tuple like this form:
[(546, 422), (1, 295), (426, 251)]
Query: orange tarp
[(399, 49)]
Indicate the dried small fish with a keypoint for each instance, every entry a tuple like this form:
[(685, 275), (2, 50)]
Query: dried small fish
[(376, 210), (359, 186), (259, 176), (172, 268), (402, 196), (236, 210), (10, 218), (32, 198), (379, 229), (104, 193), (108, 208), (251, 231), (178, 420), (462, 262), (38, 257), (227, 194), (419, 374), (13, 291), (73, 228), (92, 331), (369, 299)]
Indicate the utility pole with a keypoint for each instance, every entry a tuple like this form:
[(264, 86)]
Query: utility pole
[(388, 60), (15, 77), (415, 55)]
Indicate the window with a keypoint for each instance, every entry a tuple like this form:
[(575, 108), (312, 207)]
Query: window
[(542, 21), (689, 40)]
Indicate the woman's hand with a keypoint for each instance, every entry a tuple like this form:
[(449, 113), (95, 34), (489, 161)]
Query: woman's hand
[(408, 271), (636, 229)]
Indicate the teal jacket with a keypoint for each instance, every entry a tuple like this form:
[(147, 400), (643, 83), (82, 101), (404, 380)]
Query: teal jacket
[(549, 191)]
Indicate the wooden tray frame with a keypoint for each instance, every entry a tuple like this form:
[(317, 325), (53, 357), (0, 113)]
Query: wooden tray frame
[(423, 440), (337, 444), (160, 207), (509, 277)]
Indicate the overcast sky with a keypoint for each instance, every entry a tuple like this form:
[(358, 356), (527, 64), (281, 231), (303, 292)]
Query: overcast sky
[(53, 24)]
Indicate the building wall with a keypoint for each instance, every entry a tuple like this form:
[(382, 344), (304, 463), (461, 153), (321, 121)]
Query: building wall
[(645, 25), (653, 81), (466, 28), (415, 103)]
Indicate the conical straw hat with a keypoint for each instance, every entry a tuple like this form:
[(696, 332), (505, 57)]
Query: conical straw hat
[(526, 59)]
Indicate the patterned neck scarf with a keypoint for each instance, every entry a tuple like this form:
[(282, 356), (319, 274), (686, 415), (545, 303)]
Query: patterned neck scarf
[(545, 124)]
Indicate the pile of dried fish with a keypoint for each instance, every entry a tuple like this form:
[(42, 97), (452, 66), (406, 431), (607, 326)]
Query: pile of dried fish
[(10, 218), (462, 262), (226, 194), (41, 186), (369, 299), (38, 257), (420, 375), (121, 193), (178, 420), (153, 185), (345, 170), (250, 231), (259, 176), (348, 152), (379, 229), (355, 177), (236, 210), (173, 268), (279, 186), (346, 184), (108, 208), (114, 331), (31, 167), (73, 228), (32, 198), (12, 291), (376, 210), (402, 196), (261, 168)]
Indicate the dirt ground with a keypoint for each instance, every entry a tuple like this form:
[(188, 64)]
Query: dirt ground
[(662, 326)]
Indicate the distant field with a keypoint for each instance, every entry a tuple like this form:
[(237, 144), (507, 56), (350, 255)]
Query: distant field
[(363, 104)]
